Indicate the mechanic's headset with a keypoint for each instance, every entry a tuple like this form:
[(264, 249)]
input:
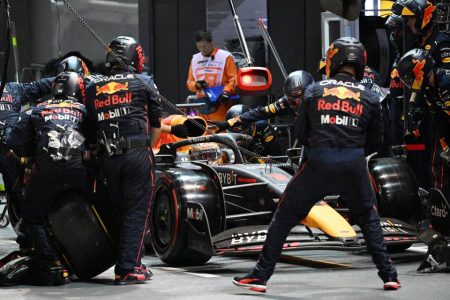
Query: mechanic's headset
[(128, 50)]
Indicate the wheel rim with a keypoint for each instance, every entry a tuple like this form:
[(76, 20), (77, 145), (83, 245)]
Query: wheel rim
[(163, 223)]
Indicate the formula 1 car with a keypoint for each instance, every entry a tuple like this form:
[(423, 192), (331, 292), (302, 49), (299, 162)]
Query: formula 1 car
[(203, 208)]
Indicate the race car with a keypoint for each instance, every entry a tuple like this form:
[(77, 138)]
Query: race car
[(203, 208)]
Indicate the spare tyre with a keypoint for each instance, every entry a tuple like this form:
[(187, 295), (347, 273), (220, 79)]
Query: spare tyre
[(81, 236)]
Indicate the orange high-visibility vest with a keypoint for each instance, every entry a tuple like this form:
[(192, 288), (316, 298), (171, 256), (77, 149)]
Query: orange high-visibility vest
[(209, 69)]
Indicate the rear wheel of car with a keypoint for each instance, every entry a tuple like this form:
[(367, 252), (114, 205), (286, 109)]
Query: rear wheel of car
[(168, 232)]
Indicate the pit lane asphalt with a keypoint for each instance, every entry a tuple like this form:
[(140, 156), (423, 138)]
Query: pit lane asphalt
[(213, 281)]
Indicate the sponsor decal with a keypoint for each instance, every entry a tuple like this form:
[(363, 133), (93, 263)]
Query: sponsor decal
[(113, 100), (330, 53), (227, 178), (61, 113), (342, 83), (6, 107), (196, 214), (396, 84), (439, 212), (81, 85), (113, 77), (339, 120), (111, 88), (427, 14), (342, 93), (140, 54), (418, 73), (389, 226), (394, 73), (339, 105), (248, 237), (7, 98), (111, 114)]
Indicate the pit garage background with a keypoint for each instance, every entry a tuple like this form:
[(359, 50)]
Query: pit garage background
[(46, 29)]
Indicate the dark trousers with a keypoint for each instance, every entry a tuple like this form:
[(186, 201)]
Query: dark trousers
[(43, 187), (130, 180), (314, 180), (11, 170)]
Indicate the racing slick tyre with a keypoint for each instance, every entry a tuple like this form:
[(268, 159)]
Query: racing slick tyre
[(396, 189), (171, 225), (81, 236)]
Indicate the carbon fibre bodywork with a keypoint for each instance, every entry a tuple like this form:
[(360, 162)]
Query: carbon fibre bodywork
[(202, 210)]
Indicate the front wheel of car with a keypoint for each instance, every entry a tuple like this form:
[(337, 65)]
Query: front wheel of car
[(168, 228)]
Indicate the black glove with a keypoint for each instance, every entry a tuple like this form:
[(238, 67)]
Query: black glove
[(179, 131), (225, 96), (201, 84), (222, 125), (414, 117)]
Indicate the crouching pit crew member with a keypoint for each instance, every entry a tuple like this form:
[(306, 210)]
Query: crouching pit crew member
[(294, 87), (241, 119), (14, 96), (265, 137), (339, 119), (57, 127), (126, 112)]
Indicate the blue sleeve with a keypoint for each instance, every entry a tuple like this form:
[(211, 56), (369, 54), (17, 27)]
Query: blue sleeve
[(31, 92), (155, 108), (266, 112), (20, 136)]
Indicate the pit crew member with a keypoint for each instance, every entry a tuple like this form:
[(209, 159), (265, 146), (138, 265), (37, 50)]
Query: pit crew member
[(57, 128), (340, 119), (432, 87), (14, 96), (420, 16), (125, 110)]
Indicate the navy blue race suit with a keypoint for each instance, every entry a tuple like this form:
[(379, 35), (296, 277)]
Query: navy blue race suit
[(338, 119), (14, 96), (43, 128), (438, 45), (123, 110)]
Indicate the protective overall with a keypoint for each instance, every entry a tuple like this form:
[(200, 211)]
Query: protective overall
[(14, 96), (57, 128), (338, 120), (430, 38), (123, 111), (429, 113)]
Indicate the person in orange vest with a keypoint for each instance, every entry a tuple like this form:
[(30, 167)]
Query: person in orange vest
[(212, 68)]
